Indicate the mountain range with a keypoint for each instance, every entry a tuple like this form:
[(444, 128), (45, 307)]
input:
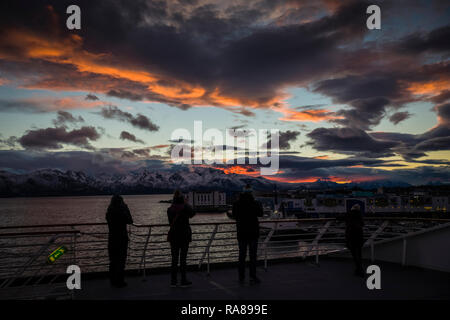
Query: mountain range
[(53, 182)]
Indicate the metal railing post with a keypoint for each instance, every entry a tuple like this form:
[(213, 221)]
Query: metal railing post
[(404, 252), (207, 267), (379, 230), (265, 258), (143, 264), (317, 253), (266, 240), (316, 240), (74, 244), (206, 252)]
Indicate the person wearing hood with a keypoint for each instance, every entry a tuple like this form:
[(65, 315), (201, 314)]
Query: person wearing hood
[(179, 236), (354, 236), (246, 211), (118, 217)]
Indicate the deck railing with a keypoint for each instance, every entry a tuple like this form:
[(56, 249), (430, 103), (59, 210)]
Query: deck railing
[(24, 249)]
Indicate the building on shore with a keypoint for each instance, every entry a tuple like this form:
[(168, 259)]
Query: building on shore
[(371, 203), (207, 201)]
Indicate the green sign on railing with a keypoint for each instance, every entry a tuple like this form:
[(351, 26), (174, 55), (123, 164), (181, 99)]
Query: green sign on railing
[(55, 255)]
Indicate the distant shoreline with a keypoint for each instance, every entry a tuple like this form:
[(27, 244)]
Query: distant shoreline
[(81, 195)]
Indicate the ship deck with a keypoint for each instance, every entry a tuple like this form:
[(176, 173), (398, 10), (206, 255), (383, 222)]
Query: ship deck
[(331, 279)]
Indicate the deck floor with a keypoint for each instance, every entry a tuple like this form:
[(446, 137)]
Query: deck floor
[(332, 279)]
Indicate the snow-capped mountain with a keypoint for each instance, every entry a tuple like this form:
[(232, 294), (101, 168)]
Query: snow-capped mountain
[(56, 182), (144, 181)]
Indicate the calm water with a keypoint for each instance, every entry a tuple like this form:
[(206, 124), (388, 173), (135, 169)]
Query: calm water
[(91, 253), (145, 209)]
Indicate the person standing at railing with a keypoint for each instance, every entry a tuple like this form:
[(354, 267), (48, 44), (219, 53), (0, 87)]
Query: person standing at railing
[(246, 211), (179, 236), (118, 216), (354, 236)]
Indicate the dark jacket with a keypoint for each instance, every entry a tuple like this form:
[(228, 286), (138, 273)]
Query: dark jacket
[(353, 227), (179, 214), (246, 212), (118, 217)]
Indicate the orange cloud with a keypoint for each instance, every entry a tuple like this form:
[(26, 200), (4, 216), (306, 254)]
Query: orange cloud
[(101, 72), (69, 51), (292, 180), (180, 91), (240, 170), (429, 88), (339, 180), (310, 115), (250, 171), (160, 146)]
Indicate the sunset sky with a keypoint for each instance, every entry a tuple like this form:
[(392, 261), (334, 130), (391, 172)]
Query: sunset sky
[(351, 104)]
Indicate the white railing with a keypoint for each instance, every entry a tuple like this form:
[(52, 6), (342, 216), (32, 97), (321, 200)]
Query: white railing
[(24, 249)]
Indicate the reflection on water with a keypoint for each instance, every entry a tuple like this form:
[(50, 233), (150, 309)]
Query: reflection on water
[(145, 209)]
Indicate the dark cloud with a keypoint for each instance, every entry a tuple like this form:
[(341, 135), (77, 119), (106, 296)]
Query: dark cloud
[(11, 105), (226, 49), (306, 164), (310, 107), (180, 140), (128, 154), (91, 96), (240, 132), (434, 144), (140, 121), (65, 117), (443, 111), (296, 168), (416, 176), (244, 52), (88, 162), (123, 161), (412, 146), (123, 94), (125, 135), (398, 117), (368, 97), (9, 142), (54, 138), (238, 127), (442, 97), (348, 140), (359, 88), (284, 139), (434, 41), (142, 152)]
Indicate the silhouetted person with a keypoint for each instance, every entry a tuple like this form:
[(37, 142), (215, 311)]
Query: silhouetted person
[(354, 236), (246, 211), (179, 236), (283, 209), (118, 216)]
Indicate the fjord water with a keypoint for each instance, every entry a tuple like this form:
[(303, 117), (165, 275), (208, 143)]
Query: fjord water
[(145, 209)]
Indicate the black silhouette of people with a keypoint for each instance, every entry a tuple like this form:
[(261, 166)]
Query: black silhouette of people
[(118, 216), (354, 236), (179, 236), (246, 211)]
